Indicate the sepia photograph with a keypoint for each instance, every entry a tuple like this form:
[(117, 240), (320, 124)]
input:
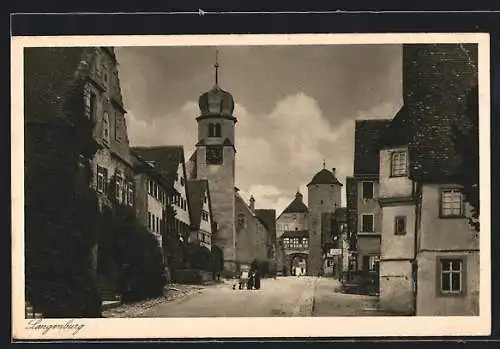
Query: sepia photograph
[(324, 180)]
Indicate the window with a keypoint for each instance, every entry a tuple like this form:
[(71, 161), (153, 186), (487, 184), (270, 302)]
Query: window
[(150, 227), (105, 127), (241, 221), (214, 155), (451, 203), (399, 164), (182, 181), (214, 130), (118, 184), (367, 190), (90, 104), (329, 262), (157, 224), (102, 179), (353, 262), (125, 192), (204, 215), (205, 199), (367, 223), (451, 276), (400, 225)]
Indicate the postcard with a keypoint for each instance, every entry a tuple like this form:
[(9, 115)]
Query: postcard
[(225, 186)]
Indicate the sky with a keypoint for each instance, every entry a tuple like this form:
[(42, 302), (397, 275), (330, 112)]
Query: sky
[(295, 105)]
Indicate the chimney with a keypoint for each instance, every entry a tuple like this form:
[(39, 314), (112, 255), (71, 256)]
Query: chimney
[(333, 170), (252, 203)]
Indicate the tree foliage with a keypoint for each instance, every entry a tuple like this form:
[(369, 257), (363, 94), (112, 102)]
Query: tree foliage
[(136, 252), (61, 210), (466, 141)]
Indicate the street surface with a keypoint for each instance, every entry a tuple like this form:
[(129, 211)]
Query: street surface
[(284, 296)]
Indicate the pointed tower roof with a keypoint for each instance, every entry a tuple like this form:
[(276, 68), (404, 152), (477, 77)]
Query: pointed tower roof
[(325, 177), (297, 205)]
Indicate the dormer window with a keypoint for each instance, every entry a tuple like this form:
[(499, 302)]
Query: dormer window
[(399, 164)]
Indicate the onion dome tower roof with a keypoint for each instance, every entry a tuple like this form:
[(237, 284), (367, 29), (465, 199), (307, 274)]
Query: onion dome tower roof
[(216, 101)]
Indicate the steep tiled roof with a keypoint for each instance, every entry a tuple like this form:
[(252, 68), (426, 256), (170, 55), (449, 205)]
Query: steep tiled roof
[(324, 177), (50, 75), (141, 166), (296, 206), (165, 158), (268, 218), (196, 190), (437, 80), (295, 234), (366, 155)]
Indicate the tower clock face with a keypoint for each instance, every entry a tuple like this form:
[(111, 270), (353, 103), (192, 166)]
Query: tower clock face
[(214, 155)]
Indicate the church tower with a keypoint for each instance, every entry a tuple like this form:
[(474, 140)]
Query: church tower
[(324, 196), (215, 161)]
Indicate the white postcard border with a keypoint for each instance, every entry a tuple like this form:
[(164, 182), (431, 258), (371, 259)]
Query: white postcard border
[(247, 327)]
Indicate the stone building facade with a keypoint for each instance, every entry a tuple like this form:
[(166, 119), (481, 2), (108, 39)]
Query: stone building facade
[(295, 249), (294, 217), (430, 254), (214, 160), (324, 195), (202, 227), (251, 234), (363, 201)]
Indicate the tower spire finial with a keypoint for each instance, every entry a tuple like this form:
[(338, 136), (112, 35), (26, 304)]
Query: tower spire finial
[(216, 66), (324, 164)]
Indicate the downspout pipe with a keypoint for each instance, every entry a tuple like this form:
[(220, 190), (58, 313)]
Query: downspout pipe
[(416, 246)]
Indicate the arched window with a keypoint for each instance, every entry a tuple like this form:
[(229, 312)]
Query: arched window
[(399, 163)]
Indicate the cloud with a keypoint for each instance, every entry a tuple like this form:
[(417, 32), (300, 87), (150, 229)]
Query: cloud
[(174, 127), (286, 147), (277, 152)]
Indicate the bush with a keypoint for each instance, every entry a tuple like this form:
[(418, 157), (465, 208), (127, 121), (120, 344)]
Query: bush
[(60, 233), (138, 256)]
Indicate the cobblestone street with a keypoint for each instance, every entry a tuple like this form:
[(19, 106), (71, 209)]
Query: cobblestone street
[(174, 291), (285, 296)]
